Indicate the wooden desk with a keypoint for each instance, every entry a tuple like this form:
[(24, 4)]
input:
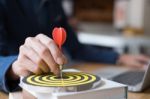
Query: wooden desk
[(91, 67), (3, 96)]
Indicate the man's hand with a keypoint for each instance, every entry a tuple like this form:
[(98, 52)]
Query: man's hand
[(133, 60), (38, 55)]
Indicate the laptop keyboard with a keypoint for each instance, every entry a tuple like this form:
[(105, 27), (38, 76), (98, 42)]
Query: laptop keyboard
[(130, 77)]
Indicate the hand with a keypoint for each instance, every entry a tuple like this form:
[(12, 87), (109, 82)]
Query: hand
[(38, 55), (133, 60)]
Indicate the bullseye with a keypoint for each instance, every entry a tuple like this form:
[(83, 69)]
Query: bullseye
[(69, 79)]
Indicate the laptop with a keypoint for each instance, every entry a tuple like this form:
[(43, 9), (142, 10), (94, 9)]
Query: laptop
[(136, 79)]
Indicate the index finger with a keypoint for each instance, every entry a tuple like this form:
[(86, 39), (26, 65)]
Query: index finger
[(55, 51)]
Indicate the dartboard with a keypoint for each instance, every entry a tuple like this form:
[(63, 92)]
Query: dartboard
[(69, 79)]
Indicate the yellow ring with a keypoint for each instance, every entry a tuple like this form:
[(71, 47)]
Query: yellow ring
[(56, 82)]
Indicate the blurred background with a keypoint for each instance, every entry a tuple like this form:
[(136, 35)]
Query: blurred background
[(122, 25)]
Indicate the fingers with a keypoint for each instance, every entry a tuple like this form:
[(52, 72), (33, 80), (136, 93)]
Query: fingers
[(53, 48), (143, 58), (19, 70), (28, 52), (29, 65), (43, 52), (38, 55), (136, 64), (134, 61)]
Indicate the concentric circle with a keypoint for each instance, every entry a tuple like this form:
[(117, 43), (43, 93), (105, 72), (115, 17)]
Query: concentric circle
[(69, 79)]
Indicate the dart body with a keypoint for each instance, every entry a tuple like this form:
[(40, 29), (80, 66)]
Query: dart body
[(59, 36)]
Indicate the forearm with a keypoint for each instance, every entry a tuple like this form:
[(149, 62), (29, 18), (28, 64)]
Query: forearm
[(94, 54)]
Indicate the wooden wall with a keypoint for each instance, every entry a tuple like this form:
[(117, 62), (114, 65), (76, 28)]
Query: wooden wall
[(94, 10)]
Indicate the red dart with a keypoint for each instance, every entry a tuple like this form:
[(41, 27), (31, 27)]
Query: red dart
[(59, 36)]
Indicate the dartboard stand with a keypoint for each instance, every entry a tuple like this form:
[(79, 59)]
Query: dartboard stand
[(96, 88), (71, 82)]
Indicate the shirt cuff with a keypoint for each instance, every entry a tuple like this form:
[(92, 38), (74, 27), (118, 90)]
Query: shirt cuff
[(6, 62)]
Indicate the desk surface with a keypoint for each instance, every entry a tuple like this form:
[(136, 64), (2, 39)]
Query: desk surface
[(90, 67)]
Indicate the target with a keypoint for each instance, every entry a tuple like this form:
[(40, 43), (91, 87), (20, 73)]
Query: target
[(69, 79)]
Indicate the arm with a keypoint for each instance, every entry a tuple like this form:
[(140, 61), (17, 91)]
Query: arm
[(37, 55)]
